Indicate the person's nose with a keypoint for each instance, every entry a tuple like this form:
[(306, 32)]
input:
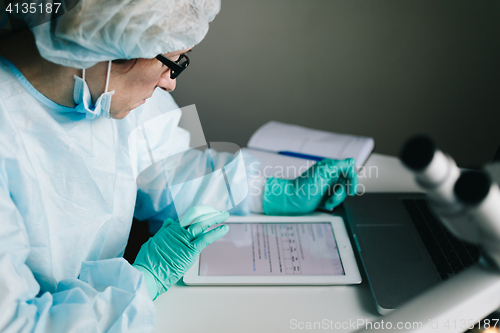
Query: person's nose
[(166, 83)]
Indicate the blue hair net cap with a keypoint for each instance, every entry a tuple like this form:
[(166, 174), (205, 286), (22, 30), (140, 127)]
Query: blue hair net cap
[(96, 30)]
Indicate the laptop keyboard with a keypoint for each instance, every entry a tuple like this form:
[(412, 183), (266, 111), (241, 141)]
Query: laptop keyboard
[(449, 254)]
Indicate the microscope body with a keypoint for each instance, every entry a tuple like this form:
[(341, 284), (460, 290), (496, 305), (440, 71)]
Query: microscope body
[(437, 174), (438, 179), (468, 203)]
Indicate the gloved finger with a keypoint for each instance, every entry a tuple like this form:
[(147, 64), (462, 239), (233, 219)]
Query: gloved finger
[(167, 223), (195, 213), (198, 228), (352, 179), (339, 194), (207, 238), (199, 219), (340, 168), (347, 169), (353, 182)]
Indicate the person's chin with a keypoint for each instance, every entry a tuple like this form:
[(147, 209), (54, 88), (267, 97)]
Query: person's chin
[(119, 115), (138, 104), (123, 114)]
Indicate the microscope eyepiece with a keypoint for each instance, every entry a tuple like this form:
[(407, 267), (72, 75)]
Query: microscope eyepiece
[(417, 153), (472, 187)]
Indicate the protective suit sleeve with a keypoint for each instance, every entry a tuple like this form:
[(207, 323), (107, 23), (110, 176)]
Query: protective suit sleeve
[(109, 295), (156, 205)]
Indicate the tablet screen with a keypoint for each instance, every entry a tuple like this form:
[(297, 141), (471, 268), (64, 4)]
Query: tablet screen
[(273, 249)]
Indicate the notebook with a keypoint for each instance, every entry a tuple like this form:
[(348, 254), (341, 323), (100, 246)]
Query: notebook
[(287, 150)]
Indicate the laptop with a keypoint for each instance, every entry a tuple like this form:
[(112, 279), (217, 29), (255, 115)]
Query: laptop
[(403, 247)]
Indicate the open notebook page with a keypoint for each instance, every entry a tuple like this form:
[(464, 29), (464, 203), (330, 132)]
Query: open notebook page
[(280, 166), (278, 137)]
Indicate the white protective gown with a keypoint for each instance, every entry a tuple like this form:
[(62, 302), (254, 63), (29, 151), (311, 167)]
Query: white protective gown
[(68, 193)]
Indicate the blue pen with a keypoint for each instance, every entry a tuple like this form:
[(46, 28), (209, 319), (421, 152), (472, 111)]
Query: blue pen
[(304, 156)]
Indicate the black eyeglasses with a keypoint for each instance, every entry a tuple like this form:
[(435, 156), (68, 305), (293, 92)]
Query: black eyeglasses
[(176, 67)]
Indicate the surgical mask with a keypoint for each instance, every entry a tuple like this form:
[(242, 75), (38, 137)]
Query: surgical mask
[(83, 99)]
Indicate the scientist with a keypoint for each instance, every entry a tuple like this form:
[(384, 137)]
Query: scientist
[(72, 91)]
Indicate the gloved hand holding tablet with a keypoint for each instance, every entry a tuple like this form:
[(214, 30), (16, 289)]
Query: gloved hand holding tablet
[(171, 252)]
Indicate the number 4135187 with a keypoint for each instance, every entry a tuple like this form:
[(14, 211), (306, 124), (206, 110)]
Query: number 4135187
[(33, 8)]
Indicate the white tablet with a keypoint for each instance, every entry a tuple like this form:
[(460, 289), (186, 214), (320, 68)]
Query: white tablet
[(278, 250)]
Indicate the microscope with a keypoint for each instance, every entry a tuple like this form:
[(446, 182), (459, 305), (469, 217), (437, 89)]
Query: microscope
[(468, 204)]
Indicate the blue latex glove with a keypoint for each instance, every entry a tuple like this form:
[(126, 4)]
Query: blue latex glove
[(171, 252), (328, 182)]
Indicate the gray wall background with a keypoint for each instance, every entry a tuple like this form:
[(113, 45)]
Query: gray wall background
[(385, 69)]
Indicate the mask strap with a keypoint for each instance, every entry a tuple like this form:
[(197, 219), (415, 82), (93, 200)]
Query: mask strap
[(107, 77)]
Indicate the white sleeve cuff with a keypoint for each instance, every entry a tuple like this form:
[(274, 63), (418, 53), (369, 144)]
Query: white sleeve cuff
[(257, 193)]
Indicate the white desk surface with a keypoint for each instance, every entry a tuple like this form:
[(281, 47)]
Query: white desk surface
[(280, 309)]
